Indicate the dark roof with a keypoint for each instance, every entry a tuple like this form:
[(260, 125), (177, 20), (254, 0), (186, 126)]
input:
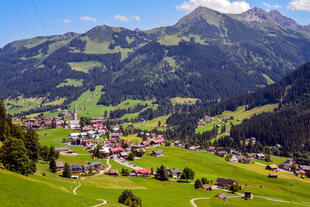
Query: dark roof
[(158, 151), (76, 167), (176, 171), (61, 148), (94, 163), (223, 181)]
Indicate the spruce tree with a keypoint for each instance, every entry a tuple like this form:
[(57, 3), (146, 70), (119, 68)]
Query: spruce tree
[(32, 144), (67, 171), (53, 167)]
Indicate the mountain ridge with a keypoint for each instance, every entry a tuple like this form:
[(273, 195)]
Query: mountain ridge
[(206, 54)]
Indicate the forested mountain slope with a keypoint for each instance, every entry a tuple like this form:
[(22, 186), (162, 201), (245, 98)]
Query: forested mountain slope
[(287, 126), (206, 54)]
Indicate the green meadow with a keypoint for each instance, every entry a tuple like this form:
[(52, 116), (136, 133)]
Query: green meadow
[(87, 104), (48, 189), (239, 115)]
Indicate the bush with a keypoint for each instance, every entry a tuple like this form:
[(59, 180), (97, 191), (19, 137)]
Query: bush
[(129, 199), (198, 184), (205, 181)]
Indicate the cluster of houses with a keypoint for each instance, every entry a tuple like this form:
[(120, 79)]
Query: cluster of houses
[(41, 123), (289, 166), (78, 169)]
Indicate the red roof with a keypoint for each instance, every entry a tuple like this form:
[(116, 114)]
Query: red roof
[(146, 143), (158, 141), (160, 136), (117, 149), (143, 171), (221, 196)]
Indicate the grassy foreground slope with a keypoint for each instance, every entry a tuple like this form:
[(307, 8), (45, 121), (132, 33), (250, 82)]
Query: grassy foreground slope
[(252, 177)]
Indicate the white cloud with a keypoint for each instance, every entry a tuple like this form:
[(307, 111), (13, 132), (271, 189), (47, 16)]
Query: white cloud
[(137, 18), (67, 20), (121, 18), (87, 18), (126, 19), (224, 6), (271, 6), (64, 20), (301, 5)]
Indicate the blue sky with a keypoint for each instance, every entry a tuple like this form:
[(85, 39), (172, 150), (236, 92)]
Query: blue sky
[(20, 19)]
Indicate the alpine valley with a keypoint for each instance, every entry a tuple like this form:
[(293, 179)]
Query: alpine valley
[(212, 111)]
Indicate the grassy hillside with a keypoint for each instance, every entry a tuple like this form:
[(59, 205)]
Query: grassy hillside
[(51, 189), (71, 82), (239, 115), (150, 124), (252, 177), (87, 104)]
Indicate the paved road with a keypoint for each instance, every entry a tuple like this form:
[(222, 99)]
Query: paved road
[(126, 164), (195, 199)]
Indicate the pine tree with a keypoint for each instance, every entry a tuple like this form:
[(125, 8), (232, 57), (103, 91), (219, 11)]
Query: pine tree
[(162, 173), (32, 144), (67, 171), (52, 166)]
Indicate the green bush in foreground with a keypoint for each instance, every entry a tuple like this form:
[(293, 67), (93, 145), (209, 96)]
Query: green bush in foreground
[(128, 198)]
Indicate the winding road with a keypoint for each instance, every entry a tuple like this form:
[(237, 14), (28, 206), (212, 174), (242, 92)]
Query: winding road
[(100, 173), (195, 199)]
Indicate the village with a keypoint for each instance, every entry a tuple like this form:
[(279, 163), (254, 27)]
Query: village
[(102, 142)]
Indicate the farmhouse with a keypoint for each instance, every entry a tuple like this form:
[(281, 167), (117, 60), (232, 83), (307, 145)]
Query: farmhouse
[(234, 159), (260, 156), (222, 196), (95, 165), (112, 172), (143, 172), (175, 173), (124, 155), (115, 137), (272, 167), (157, 153), (273, 175), (306, 169), (61, 149), (76, 169), (211, 149), (116, 150), (59, 166), (207, 187), (86, 168), (157, 141), (225, 182)]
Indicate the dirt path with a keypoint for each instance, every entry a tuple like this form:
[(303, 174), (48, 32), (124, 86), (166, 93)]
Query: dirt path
[(195, 199), (100, 204), (101, 172), (75, 189)]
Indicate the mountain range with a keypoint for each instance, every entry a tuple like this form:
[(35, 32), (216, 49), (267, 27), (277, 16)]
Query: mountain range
[(206, 55)]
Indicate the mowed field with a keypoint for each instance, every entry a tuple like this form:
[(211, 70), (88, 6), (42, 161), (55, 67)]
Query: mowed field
[(239, 115), (52, 190), (87, 104)]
